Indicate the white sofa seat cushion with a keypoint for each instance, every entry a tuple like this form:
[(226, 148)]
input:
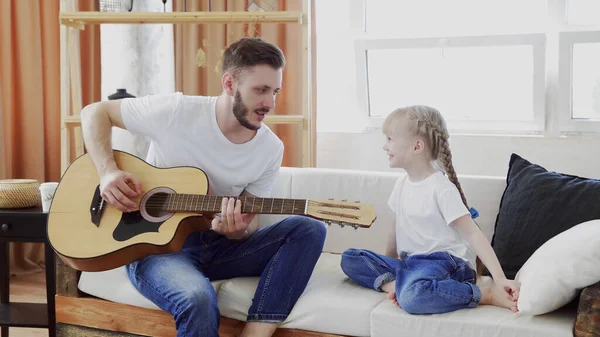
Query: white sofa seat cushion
[(114, 285), (482, 321), (331, 303)]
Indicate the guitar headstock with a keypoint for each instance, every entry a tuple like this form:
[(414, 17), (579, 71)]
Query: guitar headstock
[(342, 213)]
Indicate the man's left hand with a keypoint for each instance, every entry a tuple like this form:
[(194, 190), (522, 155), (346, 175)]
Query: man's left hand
[(232, 223)]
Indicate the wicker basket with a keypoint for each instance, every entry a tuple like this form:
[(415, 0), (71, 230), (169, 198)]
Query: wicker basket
[(19, 193)]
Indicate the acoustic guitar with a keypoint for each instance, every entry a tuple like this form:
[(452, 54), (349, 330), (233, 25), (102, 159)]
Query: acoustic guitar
[(89, 234)]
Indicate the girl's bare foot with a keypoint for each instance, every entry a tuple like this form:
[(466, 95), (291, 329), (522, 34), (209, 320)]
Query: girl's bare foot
[(494, 296), (389, 287), (392, 296)]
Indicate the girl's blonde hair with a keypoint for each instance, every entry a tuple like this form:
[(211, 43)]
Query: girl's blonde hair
[(428, 123)]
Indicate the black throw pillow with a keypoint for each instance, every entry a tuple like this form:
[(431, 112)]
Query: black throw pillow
[(536, 206)]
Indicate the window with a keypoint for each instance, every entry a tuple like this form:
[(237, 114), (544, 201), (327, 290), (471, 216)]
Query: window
[(465, 78), (488, 66)]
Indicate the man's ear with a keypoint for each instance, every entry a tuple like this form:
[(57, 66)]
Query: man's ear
[(227, 82)]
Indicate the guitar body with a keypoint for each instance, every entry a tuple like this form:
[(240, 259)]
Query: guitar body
[(91, 235)]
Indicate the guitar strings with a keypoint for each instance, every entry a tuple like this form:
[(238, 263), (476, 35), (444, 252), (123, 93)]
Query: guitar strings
[(182, 201)]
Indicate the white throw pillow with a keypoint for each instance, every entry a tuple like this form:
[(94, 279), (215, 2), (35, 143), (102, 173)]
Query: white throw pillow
[(559, 269)]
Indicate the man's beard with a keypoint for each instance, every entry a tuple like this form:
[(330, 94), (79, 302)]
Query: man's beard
[(241, 112)]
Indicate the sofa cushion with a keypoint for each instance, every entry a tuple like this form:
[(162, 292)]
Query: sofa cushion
[(114, 285), (331, 303), (574, 257), (536, 206), (482, 321)]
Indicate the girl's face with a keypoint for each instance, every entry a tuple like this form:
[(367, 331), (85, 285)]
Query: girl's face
[(402, 147), (398, 146), (398, 149)]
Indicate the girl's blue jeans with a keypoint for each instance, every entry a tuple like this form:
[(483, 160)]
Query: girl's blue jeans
[(425, 284)]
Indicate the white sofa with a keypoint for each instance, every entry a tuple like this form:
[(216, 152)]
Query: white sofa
[(334, 304)]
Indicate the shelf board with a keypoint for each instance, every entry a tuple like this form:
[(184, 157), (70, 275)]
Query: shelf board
[(284, 119), (72, 121), (79, 19), (24, 315)]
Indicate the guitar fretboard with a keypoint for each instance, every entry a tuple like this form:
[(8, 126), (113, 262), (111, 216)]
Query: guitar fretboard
[(177, 202)]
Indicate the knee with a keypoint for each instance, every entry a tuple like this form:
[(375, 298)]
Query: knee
[(310, 229), (414, 299), (196, 301), (351, 252), (317, 229), (348, 256), (349, 262)]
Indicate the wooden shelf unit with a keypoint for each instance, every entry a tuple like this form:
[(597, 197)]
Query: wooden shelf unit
[(72, 21)]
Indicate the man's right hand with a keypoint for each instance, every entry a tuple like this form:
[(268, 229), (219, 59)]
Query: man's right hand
[(115, 188)]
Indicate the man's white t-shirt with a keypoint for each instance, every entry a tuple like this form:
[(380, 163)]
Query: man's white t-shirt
[(424, 210), (183, 131)]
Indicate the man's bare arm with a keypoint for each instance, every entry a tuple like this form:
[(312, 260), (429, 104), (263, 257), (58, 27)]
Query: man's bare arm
[(97, 120)]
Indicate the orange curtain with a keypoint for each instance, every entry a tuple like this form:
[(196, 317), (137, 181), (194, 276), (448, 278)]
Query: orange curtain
[(30, 99), (198, 51)]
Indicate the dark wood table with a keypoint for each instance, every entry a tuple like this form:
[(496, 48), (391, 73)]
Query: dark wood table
[(25, 225)]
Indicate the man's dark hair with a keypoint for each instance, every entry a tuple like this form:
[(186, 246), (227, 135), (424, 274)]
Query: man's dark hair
[(248, 52)]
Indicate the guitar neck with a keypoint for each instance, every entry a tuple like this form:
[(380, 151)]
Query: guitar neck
[(212, 204)]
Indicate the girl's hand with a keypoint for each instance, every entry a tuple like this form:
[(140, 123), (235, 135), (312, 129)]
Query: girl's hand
[(510, 287)]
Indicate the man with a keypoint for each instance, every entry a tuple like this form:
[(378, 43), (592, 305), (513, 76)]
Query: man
[(225, 137)]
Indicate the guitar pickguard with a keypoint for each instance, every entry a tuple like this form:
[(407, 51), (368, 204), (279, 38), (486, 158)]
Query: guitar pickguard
[(133, 224)]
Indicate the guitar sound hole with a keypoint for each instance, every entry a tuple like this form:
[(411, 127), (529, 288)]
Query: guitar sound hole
[(156, 205)]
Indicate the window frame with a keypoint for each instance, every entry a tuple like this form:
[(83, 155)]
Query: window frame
[(567, 38), (536, 40)]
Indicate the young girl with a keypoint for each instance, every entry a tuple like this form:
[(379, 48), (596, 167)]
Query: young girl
[(429, 266)]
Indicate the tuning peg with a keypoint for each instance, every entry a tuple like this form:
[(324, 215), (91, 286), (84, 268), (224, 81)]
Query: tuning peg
[(357, 201), (342, 225), (344, 200), (355, 227)]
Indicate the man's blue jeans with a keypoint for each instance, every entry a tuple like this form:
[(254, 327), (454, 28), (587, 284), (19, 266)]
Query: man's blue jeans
[(425, 284), (283, 255)]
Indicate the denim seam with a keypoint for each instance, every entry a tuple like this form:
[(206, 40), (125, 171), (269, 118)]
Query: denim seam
[(247, 252), (372, 266), (268, 280), (272, 318), (454, 265)]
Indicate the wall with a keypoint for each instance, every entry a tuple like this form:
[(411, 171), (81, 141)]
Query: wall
[(473, 155)]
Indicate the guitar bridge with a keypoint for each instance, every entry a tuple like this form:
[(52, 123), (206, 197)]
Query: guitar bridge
[(97, 207)]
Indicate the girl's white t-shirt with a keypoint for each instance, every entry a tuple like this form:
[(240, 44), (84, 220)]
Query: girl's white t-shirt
[(183, 131), (424, 210)]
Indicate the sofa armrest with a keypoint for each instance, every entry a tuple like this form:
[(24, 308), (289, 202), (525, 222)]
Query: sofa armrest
[(587, 323), (67, 280)]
